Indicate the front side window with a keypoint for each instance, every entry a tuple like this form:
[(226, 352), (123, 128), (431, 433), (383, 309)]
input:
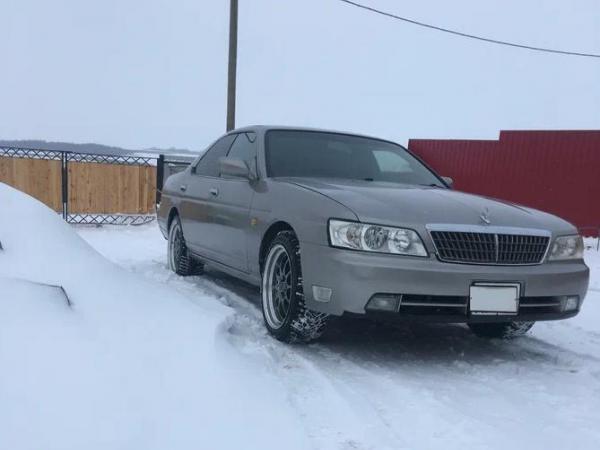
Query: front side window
[(209, 162), (244, 148), (292, 153)]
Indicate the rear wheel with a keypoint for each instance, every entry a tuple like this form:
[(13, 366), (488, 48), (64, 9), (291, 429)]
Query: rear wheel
[(503, 330), (180, 260), (285, 314)]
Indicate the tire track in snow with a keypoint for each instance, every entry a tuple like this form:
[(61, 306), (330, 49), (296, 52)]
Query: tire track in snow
[(345, 394), (312, 395), (478, 383), (327, 416), (311, 375)]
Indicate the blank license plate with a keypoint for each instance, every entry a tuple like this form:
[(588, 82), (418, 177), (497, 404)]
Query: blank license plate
[(494, 298)]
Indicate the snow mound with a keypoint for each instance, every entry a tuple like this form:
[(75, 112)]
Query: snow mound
[(592, 259), (129, 364)]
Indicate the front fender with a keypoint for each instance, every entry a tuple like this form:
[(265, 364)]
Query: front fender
[(169, 199), (305, 210)]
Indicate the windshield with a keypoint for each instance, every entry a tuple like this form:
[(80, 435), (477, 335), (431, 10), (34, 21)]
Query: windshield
[(291, 153)]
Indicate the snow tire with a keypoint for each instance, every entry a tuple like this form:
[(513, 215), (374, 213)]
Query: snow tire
[(298, 324), (504, 330), (180, 260)]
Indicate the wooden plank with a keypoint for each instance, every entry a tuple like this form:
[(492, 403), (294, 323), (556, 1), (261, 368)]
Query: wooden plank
[(143, 189), (129, 192), (111, 189), (149, 204), (39, 178)]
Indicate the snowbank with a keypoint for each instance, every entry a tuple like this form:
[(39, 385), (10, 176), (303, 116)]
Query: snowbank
[(130, 364), (592, 259)]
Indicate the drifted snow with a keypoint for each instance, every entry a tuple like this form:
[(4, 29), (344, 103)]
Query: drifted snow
[(132, 365), (148, 359)]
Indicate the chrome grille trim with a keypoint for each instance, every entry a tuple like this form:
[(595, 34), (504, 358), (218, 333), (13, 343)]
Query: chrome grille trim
[(435, 305), (541, 305), (489, 245)]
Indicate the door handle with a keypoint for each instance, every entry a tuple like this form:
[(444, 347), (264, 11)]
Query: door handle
[(183, 187), (214, 192)]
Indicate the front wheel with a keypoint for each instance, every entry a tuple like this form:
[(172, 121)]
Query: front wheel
[(285, 314), (503, 330)]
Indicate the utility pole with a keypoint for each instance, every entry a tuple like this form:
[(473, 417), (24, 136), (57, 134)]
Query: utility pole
[(232, 66)]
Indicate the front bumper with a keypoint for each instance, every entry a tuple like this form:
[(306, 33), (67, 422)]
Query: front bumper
[(354, 277)]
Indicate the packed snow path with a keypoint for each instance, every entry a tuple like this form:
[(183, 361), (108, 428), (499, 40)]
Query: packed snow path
[(416, 387)]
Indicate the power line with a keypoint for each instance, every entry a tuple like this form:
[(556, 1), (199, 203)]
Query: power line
[(470, 36)]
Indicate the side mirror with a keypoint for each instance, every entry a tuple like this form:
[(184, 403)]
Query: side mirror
[(233, 167), (449, 181)]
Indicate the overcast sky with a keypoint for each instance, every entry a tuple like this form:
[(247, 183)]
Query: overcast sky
[(143, 73)]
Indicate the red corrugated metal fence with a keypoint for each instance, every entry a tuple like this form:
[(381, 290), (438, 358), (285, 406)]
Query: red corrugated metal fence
[(555, 171)]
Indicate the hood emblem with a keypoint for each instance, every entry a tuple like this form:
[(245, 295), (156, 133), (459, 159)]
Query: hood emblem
[(485, 216)]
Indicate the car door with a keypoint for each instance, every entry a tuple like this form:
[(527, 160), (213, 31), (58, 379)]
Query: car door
[(231, 205), (201, 225)]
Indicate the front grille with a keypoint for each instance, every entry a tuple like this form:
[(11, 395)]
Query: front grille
[(489, 248)]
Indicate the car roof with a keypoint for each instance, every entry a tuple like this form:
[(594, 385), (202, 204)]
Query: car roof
[(264, 128)]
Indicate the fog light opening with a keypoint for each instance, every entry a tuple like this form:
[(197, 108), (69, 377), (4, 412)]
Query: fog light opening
[(383, 302), (571, 303), (321, 294)]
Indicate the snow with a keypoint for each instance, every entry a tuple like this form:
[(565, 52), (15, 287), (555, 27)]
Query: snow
[(426, 386), (148, 359), (132, 365)]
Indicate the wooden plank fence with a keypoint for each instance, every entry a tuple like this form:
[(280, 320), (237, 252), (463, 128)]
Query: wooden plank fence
[(37, 177), (85, 188), (111, 189)]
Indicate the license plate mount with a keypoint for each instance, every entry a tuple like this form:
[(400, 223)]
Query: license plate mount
[(494, 298)]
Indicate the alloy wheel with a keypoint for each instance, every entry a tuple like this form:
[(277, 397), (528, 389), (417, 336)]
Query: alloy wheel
[(277, 286), (175, 245)]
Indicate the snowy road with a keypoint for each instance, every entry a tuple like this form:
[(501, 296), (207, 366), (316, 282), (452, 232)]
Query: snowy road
[(369, 386)]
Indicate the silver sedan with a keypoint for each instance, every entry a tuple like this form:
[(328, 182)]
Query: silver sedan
[(331, 224)]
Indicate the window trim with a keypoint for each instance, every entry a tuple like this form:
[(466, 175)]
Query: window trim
[(255, 168), (194, 167), (236, 138)]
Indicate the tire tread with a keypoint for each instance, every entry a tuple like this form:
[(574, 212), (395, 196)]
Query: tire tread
[(305, 325), (186, 264), (505, 330)]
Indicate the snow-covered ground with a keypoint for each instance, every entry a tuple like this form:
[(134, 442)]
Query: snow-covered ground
[(370, 386), (147, 359)]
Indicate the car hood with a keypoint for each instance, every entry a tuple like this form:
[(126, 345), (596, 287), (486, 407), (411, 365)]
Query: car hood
[(409, 205)]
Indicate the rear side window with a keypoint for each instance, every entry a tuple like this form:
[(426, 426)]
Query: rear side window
[(244, 148), (209, 163)]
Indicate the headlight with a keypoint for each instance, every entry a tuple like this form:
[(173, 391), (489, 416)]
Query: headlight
[(567, 247), (375, 238)]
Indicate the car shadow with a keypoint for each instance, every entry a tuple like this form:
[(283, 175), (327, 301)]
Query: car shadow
[(404, 342)]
